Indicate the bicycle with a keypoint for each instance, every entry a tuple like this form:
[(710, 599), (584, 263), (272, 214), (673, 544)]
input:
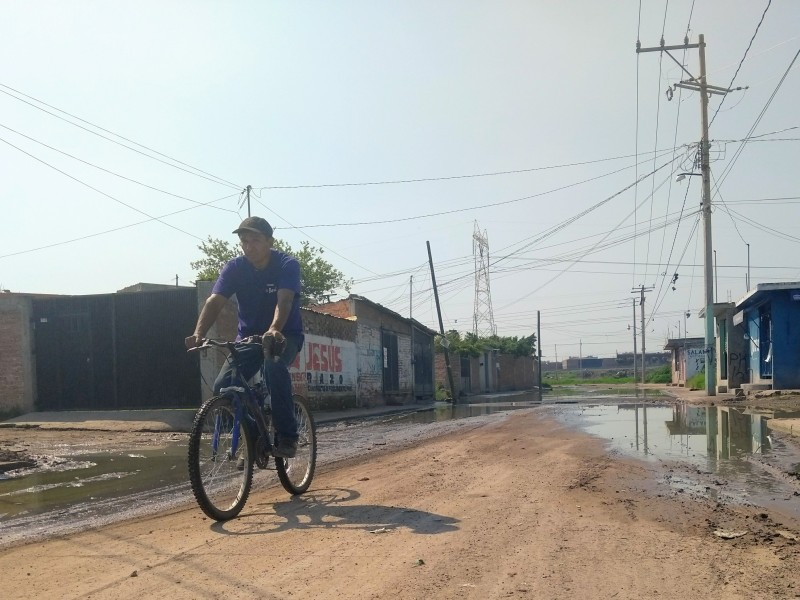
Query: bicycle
[(233, 431)]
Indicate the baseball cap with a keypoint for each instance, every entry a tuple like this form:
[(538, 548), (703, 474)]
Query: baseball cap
[(255, 224)]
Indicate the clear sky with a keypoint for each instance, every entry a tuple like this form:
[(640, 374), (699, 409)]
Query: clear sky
[(356, 121)]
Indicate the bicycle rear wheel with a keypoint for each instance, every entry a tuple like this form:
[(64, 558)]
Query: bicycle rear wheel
[(296, 473), (220, 459)]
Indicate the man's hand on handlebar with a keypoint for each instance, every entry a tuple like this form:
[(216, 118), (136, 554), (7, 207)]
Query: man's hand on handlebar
[(274, 343), (193, 341)]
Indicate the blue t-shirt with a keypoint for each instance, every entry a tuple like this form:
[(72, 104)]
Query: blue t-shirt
[(257, 292)]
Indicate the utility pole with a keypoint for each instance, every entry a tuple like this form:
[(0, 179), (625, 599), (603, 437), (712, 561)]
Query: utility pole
[(411, 322), (539, 352), (641, 292), (716, 278), (747, 280), (700, 84), (445, 343), (633, 300)]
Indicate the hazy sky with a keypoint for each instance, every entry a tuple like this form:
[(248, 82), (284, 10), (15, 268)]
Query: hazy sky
[(356, 121)]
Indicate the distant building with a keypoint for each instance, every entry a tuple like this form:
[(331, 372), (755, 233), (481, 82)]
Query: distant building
[(688, 358), (587, 362)]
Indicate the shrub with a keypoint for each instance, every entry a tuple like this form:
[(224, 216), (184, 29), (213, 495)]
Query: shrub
[(697, 381), (662, 374)]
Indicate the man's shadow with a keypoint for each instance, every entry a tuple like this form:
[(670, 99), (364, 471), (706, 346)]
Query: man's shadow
[(336, 508)]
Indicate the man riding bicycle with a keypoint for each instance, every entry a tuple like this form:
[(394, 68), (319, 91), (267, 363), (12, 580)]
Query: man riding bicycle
[(267, 286)]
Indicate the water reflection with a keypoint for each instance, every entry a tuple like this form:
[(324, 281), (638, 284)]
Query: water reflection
[(719, 432), (734, 443)]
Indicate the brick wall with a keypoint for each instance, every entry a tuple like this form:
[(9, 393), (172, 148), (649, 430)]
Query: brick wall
[(516, 373), (440, 373), (341, 308), (329, 325), (17, 370)]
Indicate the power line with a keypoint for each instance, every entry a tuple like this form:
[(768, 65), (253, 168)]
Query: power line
[(314, 240), (466, 209), (115, 229), (655, 143), (99, 191), (111, 172), (741, 62), (741, 147), (592, 248), (217, 180), (446, 177)]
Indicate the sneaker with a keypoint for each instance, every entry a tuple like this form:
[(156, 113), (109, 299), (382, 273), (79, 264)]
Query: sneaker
[(240, 463), (285, 449)]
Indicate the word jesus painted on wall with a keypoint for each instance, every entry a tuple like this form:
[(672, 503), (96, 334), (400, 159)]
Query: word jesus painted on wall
[(325, 365)]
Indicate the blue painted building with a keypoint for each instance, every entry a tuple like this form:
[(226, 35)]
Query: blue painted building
[(770, 315)]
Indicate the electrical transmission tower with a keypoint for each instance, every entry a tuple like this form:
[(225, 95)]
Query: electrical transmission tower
[(483, 319)]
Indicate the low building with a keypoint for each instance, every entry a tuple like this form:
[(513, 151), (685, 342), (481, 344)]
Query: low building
[(394, 353), (688, 358), (770, 316), (730, 348)]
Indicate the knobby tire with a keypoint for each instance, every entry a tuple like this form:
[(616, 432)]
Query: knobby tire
[(220, 480), (296, 473)]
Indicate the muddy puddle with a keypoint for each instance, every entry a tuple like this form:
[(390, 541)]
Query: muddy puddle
[(64, 480), (724, 453)]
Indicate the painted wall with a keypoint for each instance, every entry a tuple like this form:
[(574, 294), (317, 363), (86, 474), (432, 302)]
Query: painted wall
[(325, 371), (785, 313), (785, 340), (695, 361)]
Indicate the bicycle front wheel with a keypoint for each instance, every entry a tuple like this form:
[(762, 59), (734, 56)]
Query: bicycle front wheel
[(220, 459), (296, 473)]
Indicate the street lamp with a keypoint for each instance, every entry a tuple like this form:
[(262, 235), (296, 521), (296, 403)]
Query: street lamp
[(682, 176)]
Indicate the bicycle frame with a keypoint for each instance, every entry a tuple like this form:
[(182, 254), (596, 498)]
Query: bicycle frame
[(247, 403)]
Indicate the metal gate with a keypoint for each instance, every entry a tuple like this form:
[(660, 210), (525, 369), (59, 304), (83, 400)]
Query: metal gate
[(391, 370), (116, 351), (423, 365)]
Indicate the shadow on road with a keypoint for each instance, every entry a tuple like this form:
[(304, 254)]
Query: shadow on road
[(336, 508)]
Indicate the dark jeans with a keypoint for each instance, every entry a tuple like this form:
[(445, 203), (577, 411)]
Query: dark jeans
[(276, 374)]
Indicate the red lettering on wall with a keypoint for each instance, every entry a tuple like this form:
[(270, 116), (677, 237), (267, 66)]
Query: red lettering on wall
[(322, 357), (337, 359)]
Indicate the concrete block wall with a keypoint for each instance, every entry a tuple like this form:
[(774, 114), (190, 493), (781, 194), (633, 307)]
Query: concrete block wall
[(17, 370), (404, 363), (370, 365), (516, 373)]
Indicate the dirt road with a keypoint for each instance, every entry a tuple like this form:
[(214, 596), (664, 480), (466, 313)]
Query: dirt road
[(519, 508)]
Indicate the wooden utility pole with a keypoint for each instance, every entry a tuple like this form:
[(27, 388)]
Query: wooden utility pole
[(445, 343)]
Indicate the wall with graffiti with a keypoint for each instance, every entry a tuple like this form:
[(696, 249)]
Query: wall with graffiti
[(325, 370)]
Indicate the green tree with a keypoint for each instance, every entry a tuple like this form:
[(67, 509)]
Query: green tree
[(318, 277), (472, 345), (215, 254)]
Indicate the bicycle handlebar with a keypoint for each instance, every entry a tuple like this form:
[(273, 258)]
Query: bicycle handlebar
[(206, 343)]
